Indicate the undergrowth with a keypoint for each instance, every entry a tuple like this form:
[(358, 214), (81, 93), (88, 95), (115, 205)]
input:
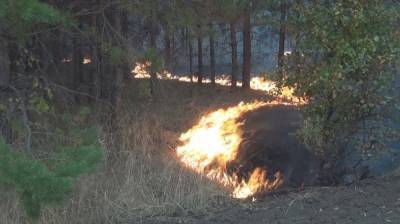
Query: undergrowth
[(140, 175)]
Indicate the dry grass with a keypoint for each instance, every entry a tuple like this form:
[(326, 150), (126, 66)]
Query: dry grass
[(144, 178)]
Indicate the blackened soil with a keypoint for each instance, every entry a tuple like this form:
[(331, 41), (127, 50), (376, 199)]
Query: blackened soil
[(270, 143)]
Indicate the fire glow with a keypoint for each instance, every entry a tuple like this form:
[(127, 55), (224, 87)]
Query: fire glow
[(213, 143)]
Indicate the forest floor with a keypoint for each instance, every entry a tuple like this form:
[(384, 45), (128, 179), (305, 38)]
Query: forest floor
[(371, 201), (142, 181)]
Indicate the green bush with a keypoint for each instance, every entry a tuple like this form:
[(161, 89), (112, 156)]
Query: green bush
[(348, 49)]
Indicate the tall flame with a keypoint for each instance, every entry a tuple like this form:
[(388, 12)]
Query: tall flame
[(209, 146)]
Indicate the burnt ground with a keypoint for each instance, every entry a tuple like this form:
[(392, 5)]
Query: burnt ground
[(371, 201), (269, 142)]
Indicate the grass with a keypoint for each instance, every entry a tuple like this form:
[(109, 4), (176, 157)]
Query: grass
[(142, 177)]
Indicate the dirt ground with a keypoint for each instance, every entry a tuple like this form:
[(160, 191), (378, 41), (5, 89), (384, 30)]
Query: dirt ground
[(371, 201)]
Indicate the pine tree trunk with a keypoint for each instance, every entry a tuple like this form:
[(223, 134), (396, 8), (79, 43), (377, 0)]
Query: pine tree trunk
[(78, 67), (118, 71), (153, 44), (282, 36), (200, 60), (296, 47), (125, 34), (167, 51), (96, 88), (235, 66), (4, 64), (212, 58), (246, 50), (153, 36), (190, 43)]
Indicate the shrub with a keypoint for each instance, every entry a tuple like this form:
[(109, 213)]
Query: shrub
[(349, 48), (39, 183)]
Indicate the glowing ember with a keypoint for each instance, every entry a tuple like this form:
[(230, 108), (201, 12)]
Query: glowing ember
[(214, 142)]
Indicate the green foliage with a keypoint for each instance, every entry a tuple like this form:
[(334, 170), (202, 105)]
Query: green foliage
[(116, 55), (156, 61), (348, 48), (40, 104), (22, 15), (48, 182)]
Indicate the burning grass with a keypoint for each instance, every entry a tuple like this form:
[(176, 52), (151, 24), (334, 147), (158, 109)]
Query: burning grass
[(142, 176), (214, 142)]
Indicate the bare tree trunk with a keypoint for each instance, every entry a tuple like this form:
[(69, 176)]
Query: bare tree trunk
[(200, 60), (212, 57), (235, 65), (246, 50), (282, 36)]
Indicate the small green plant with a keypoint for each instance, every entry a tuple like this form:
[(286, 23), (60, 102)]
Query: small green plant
[(40, 183)]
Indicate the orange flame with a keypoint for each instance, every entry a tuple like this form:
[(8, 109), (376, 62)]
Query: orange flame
[(214, 142), (256, 83)]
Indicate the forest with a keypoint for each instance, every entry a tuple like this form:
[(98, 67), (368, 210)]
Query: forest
[(199, 111)]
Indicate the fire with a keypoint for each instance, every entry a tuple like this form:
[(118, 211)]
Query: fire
[(256, 83), (87, 60), (208, 147)]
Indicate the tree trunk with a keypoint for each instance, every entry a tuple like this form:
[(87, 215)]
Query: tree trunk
[(235, 66), (153, 44), (167, 51), (282, 36), (125, 34), (118, 71), (78, 67), (5, 80), (212, 57), (153, 35), (246, 50), (4, 64), (96, 61), (200, 60), (190, 56), (296, 47)]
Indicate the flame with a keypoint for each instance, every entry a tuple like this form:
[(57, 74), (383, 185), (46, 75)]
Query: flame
[(140, 71), (87, 60), (210, 145)]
